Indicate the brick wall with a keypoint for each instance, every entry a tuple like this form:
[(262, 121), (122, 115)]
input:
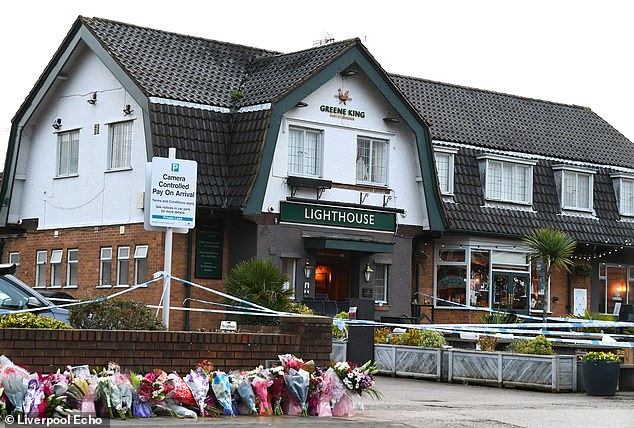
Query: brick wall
[(90, 240), (47, 350)]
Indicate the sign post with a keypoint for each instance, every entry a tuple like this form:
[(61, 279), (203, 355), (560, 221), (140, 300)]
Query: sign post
[(171, 197)]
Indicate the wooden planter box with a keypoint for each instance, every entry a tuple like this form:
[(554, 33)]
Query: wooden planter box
[(409, 361), (550, 372)]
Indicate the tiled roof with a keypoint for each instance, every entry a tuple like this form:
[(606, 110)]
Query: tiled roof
[(226, 148), (511, 123), (185, 68), (469, 213)]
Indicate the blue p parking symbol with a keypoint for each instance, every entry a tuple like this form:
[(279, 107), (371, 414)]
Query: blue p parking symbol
[(175, 167)]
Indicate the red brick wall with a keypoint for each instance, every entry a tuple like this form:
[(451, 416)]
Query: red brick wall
[(90, 240), (46, 350)]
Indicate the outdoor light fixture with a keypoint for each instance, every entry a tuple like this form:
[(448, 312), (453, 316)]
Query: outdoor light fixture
[(301, 104), (391, 119), (92, 99), (57, 123), (349, 72), (307, 269), (366, 273), (127, 110)]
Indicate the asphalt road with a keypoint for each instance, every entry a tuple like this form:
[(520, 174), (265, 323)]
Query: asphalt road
[(429, 404)]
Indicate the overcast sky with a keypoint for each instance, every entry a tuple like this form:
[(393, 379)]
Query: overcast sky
[(568, 51)]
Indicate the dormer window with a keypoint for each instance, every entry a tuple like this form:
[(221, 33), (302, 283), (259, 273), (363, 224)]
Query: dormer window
[(444, 157), (507, 179), (624, 189), (574, 185)]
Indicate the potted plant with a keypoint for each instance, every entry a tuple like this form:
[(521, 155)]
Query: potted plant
[(600, 373)]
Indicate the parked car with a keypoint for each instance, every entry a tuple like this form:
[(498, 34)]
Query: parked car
[(16, 295)]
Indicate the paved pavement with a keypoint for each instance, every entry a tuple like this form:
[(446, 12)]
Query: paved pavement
[(429, 404)]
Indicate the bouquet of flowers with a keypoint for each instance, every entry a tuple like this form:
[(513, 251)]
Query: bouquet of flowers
[(277, 388), (222, 391), (179, 391), (141, 407), (245, 392), (198, 383), (153, 386), (322, 384), (15, 382), (80, 395), (297, 383), (34, 400), (358, 379), (260, 387)]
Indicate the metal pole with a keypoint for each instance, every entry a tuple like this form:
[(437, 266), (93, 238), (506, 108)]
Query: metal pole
[(167, 264)]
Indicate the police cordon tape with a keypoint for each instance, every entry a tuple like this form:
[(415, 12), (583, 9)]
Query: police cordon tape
[(508, 330)]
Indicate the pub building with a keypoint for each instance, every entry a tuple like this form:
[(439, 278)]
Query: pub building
[(406, 194)]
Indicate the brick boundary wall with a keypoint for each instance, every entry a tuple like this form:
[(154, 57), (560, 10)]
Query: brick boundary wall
[(45, 351)]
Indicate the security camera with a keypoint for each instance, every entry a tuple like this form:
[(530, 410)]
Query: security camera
[(271, 208)]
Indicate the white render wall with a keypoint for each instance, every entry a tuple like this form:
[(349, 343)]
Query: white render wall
[(340, 148), (94, 196)]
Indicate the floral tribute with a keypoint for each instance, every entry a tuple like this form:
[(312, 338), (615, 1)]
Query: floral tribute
[(290, 387)]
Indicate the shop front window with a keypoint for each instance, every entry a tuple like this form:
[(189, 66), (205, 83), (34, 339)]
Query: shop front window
[(613, 288), (479, 284), (451, 285)]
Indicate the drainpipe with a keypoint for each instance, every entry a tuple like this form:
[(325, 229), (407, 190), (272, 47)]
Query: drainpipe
[(569, 305), (188, 277)]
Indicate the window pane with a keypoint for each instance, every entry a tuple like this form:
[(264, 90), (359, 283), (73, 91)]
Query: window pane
[(451, 255), (380, 283), (363, 160), (379, 162), (40, 269), (124, 272), (140, 252), (451, 285), (521, 184), (288, 268), (583, 191), (140, 271), (304, 152), (67, 153), (120, 145), (507, 181), (442, 165), (104, 277), (494, 182), (627, 197), (479, 284)]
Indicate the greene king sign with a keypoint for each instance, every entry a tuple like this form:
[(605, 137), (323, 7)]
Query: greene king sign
[(336, 216)]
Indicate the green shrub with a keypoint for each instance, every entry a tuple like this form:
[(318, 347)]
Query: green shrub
[(338, 334), (431, 339), (598, 316), (258, 281), (299, 308), (31, 320), (498, 318), (382, 335), (487, 343), (114, 314), (538, 346)]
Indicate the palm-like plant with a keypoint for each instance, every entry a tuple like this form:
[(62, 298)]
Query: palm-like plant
[(259, 281), (554, 248)]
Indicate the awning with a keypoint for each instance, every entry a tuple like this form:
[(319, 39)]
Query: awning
[(359, 245)]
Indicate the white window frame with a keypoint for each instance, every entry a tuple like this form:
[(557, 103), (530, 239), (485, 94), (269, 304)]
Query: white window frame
[(67, 161), (14, 258), (140, 256), (56, 268), (120, 140), (624, 189), (72, 265), (40, 263), (105, 258), (296, 163), (380, 281), (560, 179), (446, 184), (123, 258), (507, 178), (373, 177)]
